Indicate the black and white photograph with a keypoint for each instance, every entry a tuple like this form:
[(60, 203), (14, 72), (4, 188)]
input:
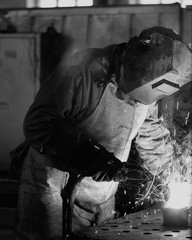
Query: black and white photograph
[(95, 119)]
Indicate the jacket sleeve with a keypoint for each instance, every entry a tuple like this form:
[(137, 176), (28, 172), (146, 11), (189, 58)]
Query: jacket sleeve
[(154, 144), (66, 98)]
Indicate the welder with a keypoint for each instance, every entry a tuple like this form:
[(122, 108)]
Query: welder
[(82, 123)]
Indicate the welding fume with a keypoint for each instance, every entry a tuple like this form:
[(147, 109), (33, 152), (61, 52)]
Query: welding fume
[(88, 114)]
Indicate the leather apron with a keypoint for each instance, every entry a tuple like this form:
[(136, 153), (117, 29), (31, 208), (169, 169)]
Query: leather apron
[(113, 124)]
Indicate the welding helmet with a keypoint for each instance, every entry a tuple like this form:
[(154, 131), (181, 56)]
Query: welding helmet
[(156, 64)]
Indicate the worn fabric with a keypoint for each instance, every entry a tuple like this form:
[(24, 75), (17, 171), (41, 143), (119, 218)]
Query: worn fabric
[(154, 144), (116, 135), (51, 128), (39, 211), (119, 121), (79, 98), (67, 97)]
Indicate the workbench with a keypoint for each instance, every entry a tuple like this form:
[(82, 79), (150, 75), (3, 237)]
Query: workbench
[(145, 224)]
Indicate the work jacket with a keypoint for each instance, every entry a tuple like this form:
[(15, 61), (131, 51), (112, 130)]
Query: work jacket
[(80, 98), (73, 93)]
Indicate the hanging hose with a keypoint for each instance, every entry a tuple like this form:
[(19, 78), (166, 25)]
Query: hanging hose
[(68, 196)]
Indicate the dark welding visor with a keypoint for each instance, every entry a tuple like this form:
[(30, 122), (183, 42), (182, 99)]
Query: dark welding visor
[(157, 69)]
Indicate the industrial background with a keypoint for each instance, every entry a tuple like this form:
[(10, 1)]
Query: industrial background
[(33, 40)]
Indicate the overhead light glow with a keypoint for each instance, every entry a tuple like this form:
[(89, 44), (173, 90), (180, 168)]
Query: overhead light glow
[(47, 4), (149, 2), (81, 3), (66, 3), (184, 3), (170, 1), (74, 3)]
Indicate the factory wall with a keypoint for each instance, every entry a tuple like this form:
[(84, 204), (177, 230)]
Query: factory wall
[(99, 26), (81, 28), (12, 4)]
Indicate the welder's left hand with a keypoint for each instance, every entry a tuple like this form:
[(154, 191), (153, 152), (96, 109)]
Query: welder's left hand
[(93, 160), (115, 170)]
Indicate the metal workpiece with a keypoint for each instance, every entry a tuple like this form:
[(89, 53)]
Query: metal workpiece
[(145, 224), (176, 217)]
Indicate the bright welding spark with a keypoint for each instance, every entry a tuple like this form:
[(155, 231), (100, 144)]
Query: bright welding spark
[(177, 105), (180, 195), (187, 118), (174, 132)]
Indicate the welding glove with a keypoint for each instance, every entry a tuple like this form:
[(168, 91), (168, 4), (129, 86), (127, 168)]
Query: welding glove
[(95, 161)]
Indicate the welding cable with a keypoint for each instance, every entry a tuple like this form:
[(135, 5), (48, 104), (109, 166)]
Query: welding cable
[(68, 196), (150, 187)]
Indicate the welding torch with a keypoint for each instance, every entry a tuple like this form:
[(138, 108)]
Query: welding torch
[(96, 162)]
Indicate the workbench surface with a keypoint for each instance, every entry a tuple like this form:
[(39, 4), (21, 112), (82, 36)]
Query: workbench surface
[(145, 224)]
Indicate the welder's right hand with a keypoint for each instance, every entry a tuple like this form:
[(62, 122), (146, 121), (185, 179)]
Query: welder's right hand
[(93, 160)]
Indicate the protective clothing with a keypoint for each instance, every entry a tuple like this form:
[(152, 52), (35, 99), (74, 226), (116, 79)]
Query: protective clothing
[(156, 67), (104, 166), (82, 98)]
